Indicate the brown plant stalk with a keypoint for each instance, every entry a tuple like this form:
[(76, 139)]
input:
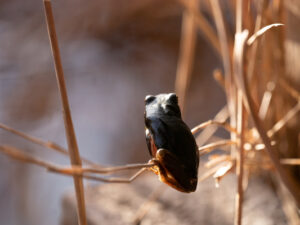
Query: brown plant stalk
[(238, 73), (251, 109), (187, 54), (69, 129), (204, 26)]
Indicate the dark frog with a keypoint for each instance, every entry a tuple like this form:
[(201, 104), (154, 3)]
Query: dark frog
[(170, 142)]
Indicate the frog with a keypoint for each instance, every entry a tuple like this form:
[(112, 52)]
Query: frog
[(170, 142)]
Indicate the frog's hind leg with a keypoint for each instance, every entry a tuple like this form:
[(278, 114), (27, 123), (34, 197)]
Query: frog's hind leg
[(174, 173)]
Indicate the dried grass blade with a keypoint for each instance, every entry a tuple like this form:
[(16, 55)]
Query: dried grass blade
[(271, 150), (293, 162), (223, 124), (261, 31), (291, 90), (204, 26), (238, 58), (20, 155), (202, 138), (47, 144), (209, 147), (217, 160), (281, 123), (209, 173), (240, 160), (222, 172), (24, 157), (253, 50), (187, 53), (266, 100), (226, 48)]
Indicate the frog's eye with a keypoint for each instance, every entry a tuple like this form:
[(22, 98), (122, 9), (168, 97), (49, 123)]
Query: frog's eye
[(173, 98), (149, 99)]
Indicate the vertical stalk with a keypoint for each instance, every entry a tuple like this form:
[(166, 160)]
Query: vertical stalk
[(240, 160), (187, 53), (69, 129), (238, 70)]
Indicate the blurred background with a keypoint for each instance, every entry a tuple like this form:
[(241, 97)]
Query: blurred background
[(114, 53)]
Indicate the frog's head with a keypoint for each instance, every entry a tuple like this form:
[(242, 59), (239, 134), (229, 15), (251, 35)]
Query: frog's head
[(163, 104)]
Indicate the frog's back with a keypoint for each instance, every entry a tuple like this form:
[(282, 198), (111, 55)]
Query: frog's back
[(175, 136), (168, 131)]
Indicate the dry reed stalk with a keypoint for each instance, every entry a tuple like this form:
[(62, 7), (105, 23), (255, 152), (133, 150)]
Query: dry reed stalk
[(47, 144), (209, 131), (226, 52), (209, 147), (226, 47), (281, 123), (251, 109), (69, 129), (266, 100), (224, 124), (211, 172), (240, 160), (291, 90), (204, 26), (261, 31), (223, 171), (253, 50), (216, 160), (238, 73), (22, 156), (271, 150), (187, 54)]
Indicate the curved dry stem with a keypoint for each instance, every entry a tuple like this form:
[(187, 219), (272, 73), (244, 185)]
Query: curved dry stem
[(204, 26), (187, 54), (289, 89), (47, 144), (217, 160), (209, 147), (210, 172), (20, 155), (208, 132), (261, 31), (253, 50), (203, 125), (115, 179), (281, 123), (226, 46), (250, 106), (223, 171)]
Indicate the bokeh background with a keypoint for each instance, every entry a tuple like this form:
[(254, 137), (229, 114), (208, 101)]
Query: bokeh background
[(114, 53)]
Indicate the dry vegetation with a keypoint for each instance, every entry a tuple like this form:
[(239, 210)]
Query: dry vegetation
[(261, 114)]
